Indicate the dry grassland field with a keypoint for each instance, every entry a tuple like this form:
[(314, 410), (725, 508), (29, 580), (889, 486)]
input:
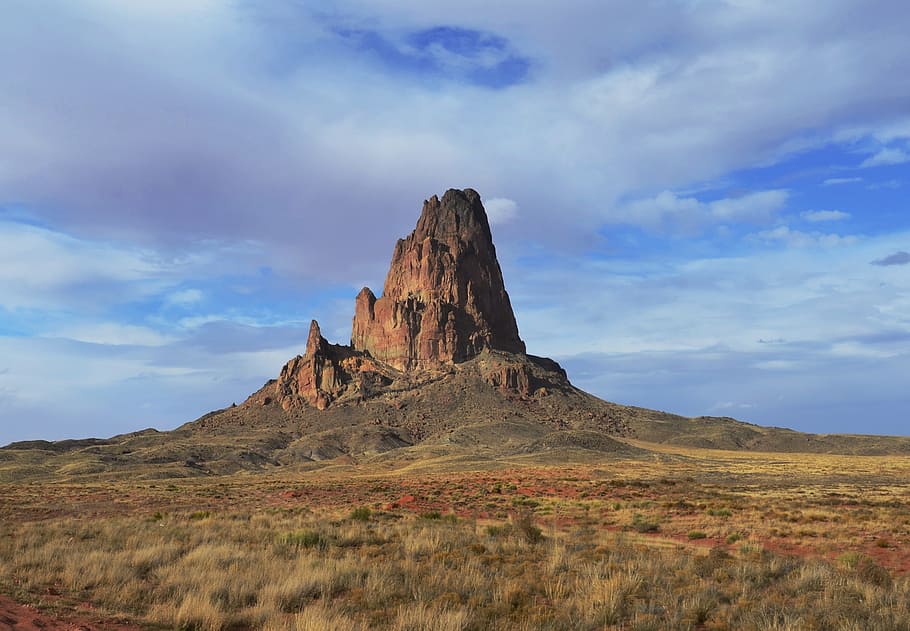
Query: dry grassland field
[(675, 539)]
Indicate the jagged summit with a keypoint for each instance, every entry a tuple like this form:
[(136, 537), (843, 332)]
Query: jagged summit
[(444, 300)]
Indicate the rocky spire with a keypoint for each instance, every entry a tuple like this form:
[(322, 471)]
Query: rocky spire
[(444, 299), (315, 377)]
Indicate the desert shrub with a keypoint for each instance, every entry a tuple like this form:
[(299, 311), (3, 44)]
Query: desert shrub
[(302, 539), (524, 525), (361, 513), (496, 531), (720, 512), (640, 523), (849, 559), (696, 534), (435, 514), (868, 571)]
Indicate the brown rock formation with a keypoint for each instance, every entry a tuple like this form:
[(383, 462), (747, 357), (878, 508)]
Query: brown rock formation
[(444, 299), (326, 372), (444, 303)]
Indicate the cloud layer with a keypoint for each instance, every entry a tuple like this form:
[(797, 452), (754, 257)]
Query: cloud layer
[(666, 180)]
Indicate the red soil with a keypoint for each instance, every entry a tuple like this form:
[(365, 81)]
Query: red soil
[(16, 617)]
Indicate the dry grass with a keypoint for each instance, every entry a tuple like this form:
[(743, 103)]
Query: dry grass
[(672, 546), (234, 571)]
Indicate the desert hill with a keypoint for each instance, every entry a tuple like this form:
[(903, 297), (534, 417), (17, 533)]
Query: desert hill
[(435, 368)]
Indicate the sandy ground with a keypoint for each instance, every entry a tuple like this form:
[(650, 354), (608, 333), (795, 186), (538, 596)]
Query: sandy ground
[(16, 617)]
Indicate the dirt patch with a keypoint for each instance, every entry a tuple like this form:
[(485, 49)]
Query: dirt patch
[(16, 617)]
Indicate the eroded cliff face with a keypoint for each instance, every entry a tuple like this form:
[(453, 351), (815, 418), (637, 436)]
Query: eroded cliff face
[(325, 373), (444, 299)]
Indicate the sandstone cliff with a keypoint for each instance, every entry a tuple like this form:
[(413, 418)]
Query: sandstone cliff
[(444, 299), (325, 373)]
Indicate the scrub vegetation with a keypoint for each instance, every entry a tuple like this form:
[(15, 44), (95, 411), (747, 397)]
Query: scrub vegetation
[(593, 545)]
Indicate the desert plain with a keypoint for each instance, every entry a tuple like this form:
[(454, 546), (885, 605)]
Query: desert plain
[(666, 538)]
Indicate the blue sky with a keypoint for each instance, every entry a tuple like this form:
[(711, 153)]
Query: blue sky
[(699, 205)]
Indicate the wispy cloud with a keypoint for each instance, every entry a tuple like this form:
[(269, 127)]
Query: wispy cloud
[(801, 239), (886, 157), (113, 334), (898, 258), (44, 268), (834, 181), (817, 216), (670, 213)]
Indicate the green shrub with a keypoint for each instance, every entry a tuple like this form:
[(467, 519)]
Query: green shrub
[(697, 534), (642, 524), (720, 512), (302, 539), (361, 513), (496, 531)]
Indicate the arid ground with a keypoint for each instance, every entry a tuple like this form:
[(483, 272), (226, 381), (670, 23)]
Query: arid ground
[(672, 538)]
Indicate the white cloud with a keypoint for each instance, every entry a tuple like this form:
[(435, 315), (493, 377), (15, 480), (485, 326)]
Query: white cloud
[(886, 185), (185, 297), (886, 157), (671, 334), (501, 210), (796, 295), (800, 239), (42, 268), (671, 213), (113, 334), (755, 207), (102, 390), (247, 107), (185, 122), (817, 216), (834, 181)]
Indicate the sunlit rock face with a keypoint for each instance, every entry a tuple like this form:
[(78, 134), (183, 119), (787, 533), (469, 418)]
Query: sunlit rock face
[(444, 299)]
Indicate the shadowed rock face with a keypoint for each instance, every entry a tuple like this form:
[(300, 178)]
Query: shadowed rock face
[(444, 299)]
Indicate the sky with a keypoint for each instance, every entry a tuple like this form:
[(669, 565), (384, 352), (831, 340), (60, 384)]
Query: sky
[(700, 206)]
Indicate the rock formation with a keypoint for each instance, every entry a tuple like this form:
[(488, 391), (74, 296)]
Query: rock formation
[(325, 373), (444, 303), (444, 300)]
